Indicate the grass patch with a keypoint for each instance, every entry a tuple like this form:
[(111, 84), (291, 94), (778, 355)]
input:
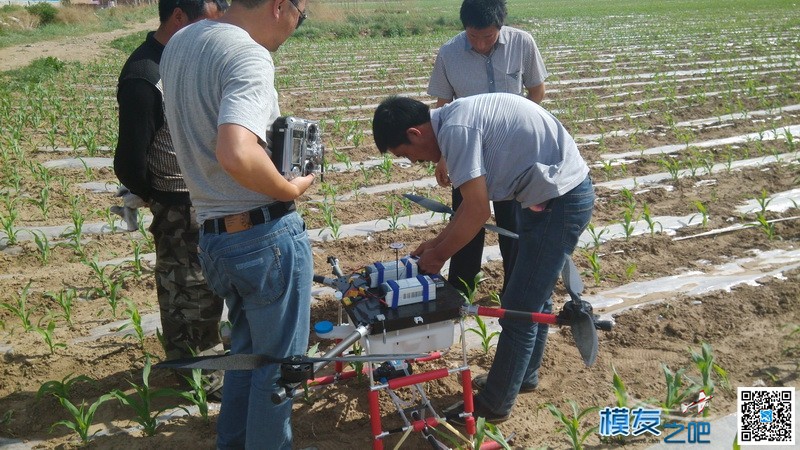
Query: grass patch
[(36, 72), (70, 21), (127, 44)]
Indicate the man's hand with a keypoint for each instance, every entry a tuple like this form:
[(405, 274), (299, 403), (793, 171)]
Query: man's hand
[(423, 247), (429, 262), (442, 178), (303, 183)]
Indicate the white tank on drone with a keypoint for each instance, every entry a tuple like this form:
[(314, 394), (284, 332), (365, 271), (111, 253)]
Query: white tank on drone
[(399, 269)]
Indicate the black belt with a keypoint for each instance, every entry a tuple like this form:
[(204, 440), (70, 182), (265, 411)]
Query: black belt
[(257, 216)]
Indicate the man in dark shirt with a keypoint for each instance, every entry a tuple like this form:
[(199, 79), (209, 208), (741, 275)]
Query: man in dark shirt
[(145, 163)]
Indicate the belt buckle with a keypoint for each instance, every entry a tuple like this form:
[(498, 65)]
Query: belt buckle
[(238, 222)]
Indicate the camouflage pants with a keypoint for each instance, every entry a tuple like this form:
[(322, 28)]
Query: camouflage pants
[(190, 311)]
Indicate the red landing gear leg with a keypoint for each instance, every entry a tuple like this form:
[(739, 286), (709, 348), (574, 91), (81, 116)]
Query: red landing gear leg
[(375, 420), (469, 407)]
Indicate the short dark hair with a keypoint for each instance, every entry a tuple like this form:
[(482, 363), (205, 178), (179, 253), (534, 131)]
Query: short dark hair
[(393, 117), (192, 8), (250, 4), (483, 13), (221, 4)]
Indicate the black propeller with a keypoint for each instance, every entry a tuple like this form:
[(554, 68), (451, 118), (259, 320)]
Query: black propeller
[(251, 361), (433, 205)]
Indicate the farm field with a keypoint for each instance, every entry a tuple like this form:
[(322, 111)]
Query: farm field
[(688, 113)]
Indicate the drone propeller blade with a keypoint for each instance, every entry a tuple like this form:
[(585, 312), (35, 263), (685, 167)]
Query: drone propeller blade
[(431, 205), (251, 361), (585, 334), (502, 231), (572, 279), (220, 362)]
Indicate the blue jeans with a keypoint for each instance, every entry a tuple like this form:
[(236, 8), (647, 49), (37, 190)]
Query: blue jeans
[(546, 239), (264, 274)]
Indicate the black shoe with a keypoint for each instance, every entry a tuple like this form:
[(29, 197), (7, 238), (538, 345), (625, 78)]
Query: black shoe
[(454, 414), (479, 383)]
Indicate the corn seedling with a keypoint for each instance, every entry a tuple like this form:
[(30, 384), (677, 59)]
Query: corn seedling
[(43, 245), (480, 327), (597, 236), (628, 200), (494, 298), (488, 430), (87, 170), (137, 264), (765, 225), (343, 158), (704, 362), (307, 397), (366, 174), (147, 238), (571, 425), (620, 391), (385, 167), (197, 393), (628, 223), (676, 392), (20, 308), (113, 295), (75, 234), (763, 202), (701, 208), (42, 202), (358, 366), (135, 322), (141, 401), (789, 139), (7, 222), (109, 217), (82, 417), (64, 298), (608, 168), (673, 167), (60, 389), (47, 335), (330, 219), (329, 191), (630, 271), (394, 215), (594, 263), (651, 223)]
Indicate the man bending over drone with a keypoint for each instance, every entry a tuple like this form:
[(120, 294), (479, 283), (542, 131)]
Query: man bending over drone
[(499, 147)]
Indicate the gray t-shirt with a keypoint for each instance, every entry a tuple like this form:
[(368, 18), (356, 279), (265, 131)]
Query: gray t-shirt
[(514, 63), (214, 74), (524, 152)]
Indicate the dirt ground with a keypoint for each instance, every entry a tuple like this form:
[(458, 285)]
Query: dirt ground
[(79, 48), (749, 328)]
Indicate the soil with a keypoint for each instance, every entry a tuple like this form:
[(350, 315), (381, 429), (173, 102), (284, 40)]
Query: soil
[(750, 328)]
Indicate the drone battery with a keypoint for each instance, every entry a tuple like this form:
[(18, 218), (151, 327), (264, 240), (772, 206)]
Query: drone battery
[(420, 289), (380, 272)]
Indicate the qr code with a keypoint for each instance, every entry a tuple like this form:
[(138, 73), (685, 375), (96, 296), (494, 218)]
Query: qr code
[(766, 416)]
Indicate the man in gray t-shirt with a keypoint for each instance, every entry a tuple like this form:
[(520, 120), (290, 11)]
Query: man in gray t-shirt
[(220, 100), (499, 147)]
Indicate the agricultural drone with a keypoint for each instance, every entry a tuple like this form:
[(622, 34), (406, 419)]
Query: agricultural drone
[(399, 317)]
